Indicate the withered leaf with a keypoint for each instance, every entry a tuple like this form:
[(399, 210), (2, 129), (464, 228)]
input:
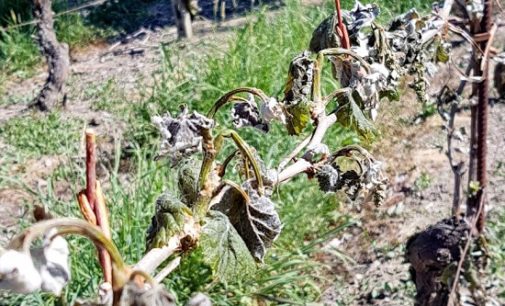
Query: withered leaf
[(133, 295), (300, 79), (256, 220), (182, 135), (247, 114)]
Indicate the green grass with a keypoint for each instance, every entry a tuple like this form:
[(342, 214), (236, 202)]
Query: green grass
[(39, 134)]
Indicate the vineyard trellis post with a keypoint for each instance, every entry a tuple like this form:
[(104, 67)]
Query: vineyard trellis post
[(476, 202)]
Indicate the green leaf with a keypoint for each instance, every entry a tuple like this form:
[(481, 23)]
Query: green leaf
[(442, 54), (168, 220), (362, 122), (390, 94), (299, 118), (225, 252), (187, 180)]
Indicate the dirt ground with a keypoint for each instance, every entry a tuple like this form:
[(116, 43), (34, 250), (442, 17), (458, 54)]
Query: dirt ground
[(420, 193)]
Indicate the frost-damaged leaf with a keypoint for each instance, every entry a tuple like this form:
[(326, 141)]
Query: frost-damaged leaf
[(360, 16), (298, 92), (328, 178), (300, 78), (247, 114), (256, 221), (168, 220), (46, 268), (133, 295), (352, 115), (182, 135), (368, 180), (324, 36), (225, 251), (199, 299), (18, 273), (271, 110)]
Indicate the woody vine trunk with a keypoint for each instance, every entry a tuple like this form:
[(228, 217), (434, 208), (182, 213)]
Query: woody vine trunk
[(56, 54), (439, 254)]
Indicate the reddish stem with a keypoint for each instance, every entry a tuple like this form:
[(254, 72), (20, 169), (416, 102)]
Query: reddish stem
[(90, 168), (98, 208), (341, 29)]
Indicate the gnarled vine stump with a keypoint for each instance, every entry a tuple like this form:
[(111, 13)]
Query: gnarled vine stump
[(56, 54), (432, 253)]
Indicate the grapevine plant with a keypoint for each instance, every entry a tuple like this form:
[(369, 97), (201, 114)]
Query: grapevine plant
[(235, 222)]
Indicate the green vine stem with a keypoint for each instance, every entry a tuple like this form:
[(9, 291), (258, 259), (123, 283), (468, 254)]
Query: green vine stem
[(239, 189), (211, 148), (229, 96), (66, 226), (227, 162), (244, 149)]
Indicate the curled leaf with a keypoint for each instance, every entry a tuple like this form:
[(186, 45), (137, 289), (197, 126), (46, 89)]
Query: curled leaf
[(182, 135), (18, 273), (271, 110), (328, 178), (253, 216), (168, 220), (367, 179), (134, 295), (360, 16), (300, 78), (247, 114), (46, 268), (324, 36)]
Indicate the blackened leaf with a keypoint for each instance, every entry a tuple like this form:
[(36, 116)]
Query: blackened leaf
[(361, 16), (324, 36), (168, 220), (247, 114), (182, 135), (300, 79), (256, 221), (328, 177), (225, 251)]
